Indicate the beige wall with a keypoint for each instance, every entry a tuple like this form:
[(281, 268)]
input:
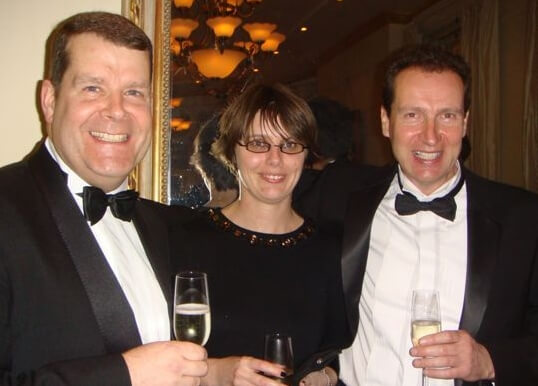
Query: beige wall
[(24, 27)]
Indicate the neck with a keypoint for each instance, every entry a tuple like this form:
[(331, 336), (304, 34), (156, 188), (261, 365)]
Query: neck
[(264, 218)]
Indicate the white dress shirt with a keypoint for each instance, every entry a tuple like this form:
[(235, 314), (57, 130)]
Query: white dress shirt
[(125, 254), (419, 251)]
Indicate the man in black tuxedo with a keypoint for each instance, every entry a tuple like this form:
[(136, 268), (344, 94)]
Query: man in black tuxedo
[(430, 223), (83, 289)]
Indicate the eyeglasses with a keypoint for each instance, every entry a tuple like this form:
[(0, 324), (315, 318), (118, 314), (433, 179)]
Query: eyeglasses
[(257, 146)]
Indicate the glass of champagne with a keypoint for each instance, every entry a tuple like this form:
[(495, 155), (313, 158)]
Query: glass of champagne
[(192, 317), (425, 317), (278, 349)]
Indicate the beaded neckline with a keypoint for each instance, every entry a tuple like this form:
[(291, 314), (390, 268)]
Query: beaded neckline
[(285, 240)]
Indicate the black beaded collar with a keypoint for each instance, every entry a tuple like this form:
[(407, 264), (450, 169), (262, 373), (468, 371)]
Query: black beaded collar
[(268, 240)]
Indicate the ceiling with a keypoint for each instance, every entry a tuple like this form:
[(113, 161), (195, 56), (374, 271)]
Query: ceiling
[(331, 25)]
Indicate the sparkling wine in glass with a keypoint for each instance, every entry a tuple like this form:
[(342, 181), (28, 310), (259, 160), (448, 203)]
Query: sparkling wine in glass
[(278, 349), (425, 317), (192, 316)]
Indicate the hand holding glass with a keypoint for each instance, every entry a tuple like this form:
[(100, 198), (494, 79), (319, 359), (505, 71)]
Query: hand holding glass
[(278, 349), (425, 316), (192, 317)]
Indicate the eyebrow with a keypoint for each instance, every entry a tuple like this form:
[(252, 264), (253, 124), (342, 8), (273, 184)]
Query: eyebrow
[(451, 110), (418, 108), (266, 140), (81, 79), (136, 84), (87, 79)]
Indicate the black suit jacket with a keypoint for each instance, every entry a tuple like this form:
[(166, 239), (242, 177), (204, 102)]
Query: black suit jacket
[(64, 319), (323, 195)]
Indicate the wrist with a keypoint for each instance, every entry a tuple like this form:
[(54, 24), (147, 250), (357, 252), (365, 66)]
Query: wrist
[(489, 369)]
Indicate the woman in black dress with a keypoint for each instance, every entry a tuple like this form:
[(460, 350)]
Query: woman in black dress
[(269, 269)]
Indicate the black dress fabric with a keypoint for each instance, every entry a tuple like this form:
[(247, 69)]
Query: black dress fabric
[(261, 283)]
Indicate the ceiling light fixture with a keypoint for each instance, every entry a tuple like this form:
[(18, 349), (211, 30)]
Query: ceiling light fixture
[(206, 42)]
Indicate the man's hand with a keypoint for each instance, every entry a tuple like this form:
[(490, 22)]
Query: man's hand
[(166, 363), (453, 355)]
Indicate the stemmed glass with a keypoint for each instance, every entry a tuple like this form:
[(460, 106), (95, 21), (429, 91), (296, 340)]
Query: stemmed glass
[(192, 316), (278, 349), (425, 317)]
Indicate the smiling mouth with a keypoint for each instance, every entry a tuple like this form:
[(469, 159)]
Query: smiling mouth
[(272, 177), (427, 156), (105, 137)]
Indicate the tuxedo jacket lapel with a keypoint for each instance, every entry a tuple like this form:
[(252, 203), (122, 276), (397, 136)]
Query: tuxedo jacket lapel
[(483, 235), (111, 309), (356, 242), (154, 236)]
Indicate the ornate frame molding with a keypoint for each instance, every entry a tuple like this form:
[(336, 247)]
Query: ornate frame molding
[(151, 176), (161, 100)]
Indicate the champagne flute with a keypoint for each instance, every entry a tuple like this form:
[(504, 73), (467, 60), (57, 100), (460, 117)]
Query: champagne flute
[(425, 317), (192, 316), (278, 349)]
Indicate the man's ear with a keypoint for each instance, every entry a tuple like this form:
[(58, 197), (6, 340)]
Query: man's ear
[(465, 120), (48, 101), (385, 122)]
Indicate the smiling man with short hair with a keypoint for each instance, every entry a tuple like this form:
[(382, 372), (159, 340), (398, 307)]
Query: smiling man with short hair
[(430, 223), (84, 277)]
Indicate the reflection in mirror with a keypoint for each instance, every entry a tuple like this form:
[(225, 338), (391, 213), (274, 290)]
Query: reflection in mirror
[(209, 50)]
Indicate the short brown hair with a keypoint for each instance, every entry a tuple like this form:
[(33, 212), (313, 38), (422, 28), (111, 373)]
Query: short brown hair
[(279, 108), (111, 27), (429, 58)]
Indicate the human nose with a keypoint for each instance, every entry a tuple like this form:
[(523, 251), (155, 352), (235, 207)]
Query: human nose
[(430, 134), (115, 108), (274, 154)]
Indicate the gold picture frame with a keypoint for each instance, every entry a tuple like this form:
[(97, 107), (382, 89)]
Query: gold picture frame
[(161, 103), (151, 176), (167, 175)]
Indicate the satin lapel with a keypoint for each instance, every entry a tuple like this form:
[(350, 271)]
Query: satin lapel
[(111, 309), (482, 246), (357, 226), (154, 236)]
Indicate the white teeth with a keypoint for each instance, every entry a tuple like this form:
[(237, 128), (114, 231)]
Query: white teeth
[(109, 137), (428, 156), (272, 177)]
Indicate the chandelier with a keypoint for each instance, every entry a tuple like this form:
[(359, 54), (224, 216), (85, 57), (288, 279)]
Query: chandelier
[(207, 45)]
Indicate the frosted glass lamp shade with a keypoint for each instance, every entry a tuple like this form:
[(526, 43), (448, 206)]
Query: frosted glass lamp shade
[(259, 31), (182, 28), (213, 64)]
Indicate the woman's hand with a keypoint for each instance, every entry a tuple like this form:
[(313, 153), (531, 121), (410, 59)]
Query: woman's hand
[(242, 371), (325, 377)]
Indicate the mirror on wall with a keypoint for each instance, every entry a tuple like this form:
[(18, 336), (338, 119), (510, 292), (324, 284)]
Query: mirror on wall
[(324, 48)]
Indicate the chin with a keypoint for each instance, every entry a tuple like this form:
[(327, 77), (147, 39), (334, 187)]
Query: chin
[(117, 171), (276, 199)]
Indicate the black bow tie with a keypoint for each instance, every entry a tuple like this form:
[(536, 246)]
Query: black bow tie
[(95, 202), (445, 206)]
